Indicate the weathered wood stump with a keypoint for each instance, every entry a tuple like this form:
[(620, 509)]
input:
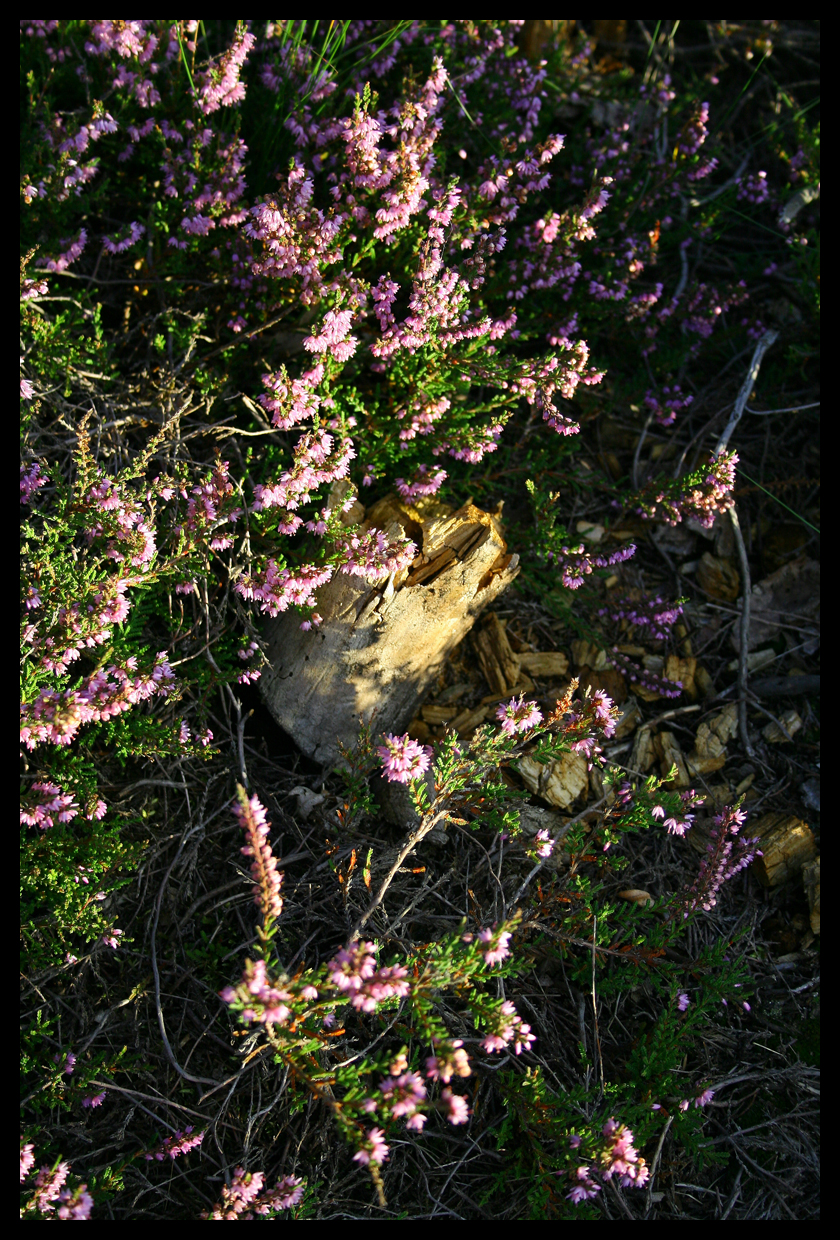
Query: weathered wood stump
[(379, 648)]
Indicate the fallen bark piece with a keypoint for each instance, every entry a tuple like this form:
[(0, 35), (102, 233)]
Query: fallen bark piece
[(380, 648), (788, 845), (718, 577), (547, 665), (778, 735), (495, 656), (671, 756), (559, 782), (710, 743)]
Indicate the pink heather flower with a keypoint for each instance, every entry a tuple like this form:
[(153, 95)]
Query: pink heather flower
[(497, 953), (74, 1204), (703, 1099), (352, 966), (49, 1183), (620, 1158), (452, 1061), (682, 1002), (458, 1111), (267, 878), (94, 1100), (544, 844), (403, 759), (386, 983), (404, 1093), (518, 716), (375, 1149), (178, 1143), (371, 554), (507, 1027), (286, 1193), (27, 1160), (69, 1062), (31, 479)]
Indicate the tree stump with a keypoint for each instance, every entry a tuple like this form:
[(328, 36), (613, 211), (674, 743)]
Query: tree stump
[(379, 648)]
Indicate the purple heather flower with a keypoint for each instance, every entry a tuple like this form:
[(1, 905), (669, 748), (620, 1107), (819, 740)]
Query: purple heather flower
[(518, 716), (458, 1111), (496, 954), (375, 1149), (544, 843), (403, 759)]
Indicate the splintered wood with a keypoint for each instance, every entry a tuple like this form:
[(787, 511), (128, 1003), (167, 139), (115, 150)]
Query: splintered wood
[(380, 648), (788, 845)]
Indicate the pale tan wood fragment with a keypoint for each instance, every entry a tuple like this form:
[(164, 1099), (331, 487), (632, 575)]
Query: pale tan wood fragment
[(643, 755), (469, 720), (559, 782), (547, 664), (787, 843), (438, 714), (682, 670), (587, 654), (380, 648), (495, 656), (719, 578), (671, 756), (628, 720)]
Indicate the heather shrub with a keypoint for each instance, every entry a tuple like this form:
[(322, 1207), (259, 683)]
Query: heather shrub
[(266, 272)]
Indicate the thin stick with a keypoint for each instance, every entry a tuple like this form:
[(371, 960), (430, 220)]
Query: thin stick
[(769, 338), (427, 824)]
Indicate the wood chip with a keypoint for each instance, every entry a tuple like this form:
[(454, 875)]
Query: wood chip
[(587, 654), (560, 782), (672, 756), (495, 656), (438, 714), (682, 670), (719, 578), (549, 664), (787, 843), (469, 720)]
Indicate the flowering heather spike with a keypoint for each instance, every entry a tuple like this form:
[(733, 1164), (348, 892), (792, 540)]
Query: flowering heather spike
[(726, 855), (178, 1143), (245, 1198), (27, 1160), (701, 495), (267, 878)]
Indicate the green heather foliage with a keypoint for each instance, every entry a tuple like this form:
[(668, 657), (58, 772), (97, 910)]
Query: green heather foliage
[(267, 267)]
